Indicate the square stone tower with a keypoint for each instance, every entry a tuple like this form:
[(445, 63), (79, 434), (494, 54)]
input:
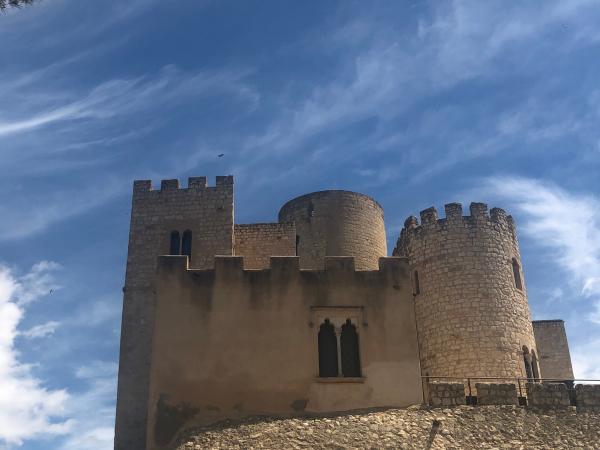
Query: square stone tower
[(197, 221)]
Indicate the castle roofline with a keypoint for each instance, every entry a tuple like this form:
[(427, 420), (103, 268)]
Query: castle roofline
[(326, 192)]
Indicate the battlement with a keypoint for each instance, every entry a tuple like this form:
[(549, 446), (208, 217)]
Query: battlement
[(194, 184), (454, 215), (285, 264)]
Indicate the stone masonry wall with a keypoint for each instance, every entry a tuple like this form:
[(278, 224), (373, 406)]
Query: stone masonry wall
[(496, 394), (547, 395), (471, 317), (446, 394), (208, 213), (553, 349), (257, 242), (337, 223), (588, 397)]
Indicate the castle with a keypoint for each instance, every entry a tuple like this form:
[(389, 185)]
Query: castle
[(309, 314)]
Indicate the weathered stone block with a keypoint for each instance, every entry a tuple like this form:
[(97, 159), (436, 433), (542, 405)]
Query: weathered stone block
[(547, 395), (496, 394)]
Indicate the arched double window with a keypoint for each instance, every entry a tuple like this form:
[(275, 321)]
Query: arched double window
[(328, 364), (181, 246), (175, 243), (350, 354), (346, 361)]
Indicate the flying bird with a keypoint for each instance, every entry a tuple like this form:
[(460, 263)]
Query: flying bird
[(220, 155)]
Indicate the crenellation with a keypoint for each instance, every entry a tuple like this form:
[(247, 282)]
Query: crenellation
[(142, 186), (429, 216), (169, 185), (197, 183), (479, 211), (453, 211), (224, 180)]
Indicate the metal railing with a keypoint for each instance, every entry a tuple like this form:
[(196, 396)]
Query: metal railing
[(520, 382)]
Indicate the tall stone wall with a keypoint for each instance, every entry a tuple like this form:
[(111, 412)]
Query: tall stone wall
[(337, 223), (231, 343), (208, 213), (257, 242), (472, 319), (553, 348)]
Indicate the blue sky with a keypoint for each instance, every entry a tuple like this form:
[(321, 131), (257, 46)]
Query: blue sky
[(415, 103)]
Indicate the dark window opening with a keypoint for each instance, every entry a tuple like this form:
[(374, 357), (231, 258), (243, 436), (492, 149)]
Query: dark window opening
[(186, 244), (517, 274), (174, 247), (328, 358), (527, 363), (417, 284), (534, 366), (297, 243), (350, 354)]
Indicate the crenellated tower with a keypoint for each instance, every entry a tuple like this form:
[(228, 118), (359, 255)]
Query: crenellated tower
[(471, 305), (196, 221)]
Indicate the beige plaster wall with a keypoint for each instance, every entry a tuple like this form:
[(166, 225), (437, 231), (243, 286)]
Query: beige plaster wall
[(553, 349), (471, 318), (231, 342), (257, 242), (208, 212), (337, 223)]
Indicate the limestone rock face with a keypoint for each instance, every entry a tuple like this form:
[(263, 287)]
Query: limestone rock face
[(462, 427)]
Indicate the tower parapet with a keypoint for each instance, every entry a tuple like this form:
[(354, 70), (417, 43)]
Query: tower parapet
[(471, 305)]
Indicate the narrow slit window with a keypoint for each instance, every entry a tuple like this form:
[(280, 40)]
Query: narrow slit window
[(417, 284), (517, 274), (175, 243), (297, 243), (186, 244), (527, 363), (328, 358), (350, 353)]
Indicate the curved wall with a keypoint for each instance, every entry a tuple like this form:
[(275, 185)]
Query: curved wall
[(337, 223), (472, 320)]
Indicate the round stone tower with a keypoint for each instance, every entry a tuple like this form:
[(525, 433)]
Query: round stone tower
[(337, 223), (471, 306)]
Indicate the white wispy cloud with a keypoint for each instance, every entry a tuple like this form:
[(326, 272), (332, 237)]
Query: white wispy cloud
[(120, 97), (565, 224), (45, 208), (42, 330), (27, 408)]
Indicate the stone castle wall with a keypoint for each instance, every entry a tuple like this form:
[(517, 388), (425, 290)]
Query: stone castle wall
[(230, 343), (337, 223), (553, 348), (472, 320), (257, 242), (208, 213)]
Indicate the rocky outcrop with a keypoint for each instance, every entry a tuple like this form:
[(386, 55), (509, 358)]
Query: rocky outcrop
[(462, 427)]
